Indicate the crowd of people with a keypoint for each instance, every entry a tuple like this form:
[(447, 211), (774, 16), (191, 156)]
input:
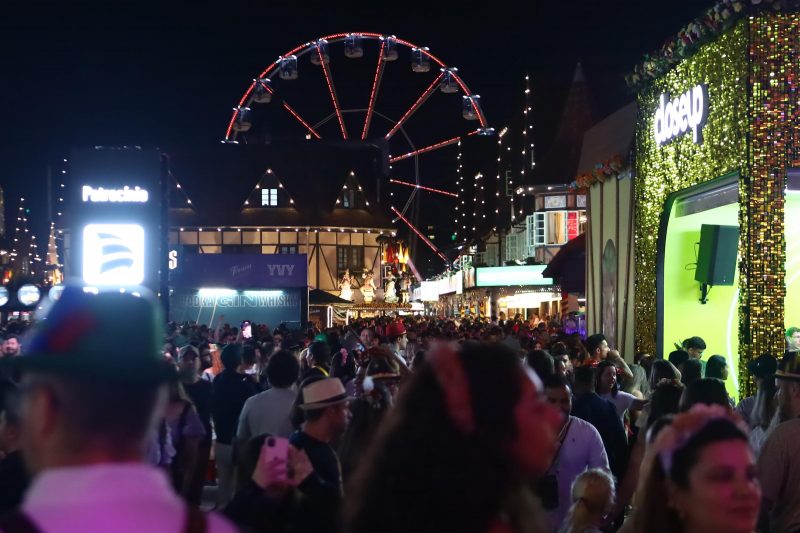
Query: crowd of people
[(396, 425)]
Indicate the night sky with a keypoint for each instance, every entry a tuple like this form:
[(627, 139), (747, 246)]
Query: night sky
[(167, 74)]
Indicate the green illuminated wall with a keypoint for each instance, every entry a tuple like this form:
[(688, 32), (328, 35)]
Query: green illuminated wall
[(717, 321), (661, 170), (753, 80), (792, 259)]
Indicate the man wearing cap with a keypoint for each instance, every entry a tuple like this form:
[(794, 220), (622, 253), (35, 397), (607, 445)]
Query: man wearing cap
[(396, 335), (324, 403), (326, 414), (779, 462), (92, 387)]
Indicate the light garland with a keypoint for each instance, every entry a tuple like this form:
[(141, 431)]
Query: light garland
[(774, 112), (662, 170), (460, 207), (756, 137)]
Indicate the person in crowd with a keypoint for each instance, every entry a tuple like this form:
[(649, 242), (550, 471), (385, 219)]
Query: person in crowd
[(709, 391), (695, 347), (597, 347), (592, 498), (11, 346), (639, 385), (326, 414), (368, 338), (603, 415), (250, 357), (678, 357), (186, 432), (762, 415), (343, 366), (231, 390), (562, 362), (413, 345), (663, 371), (396, 337), (318, 360), (699, 475), (717, 367), (664, 402), (793, 339), (14, 477), (607, 387), (691, 371), (542, 363), (281, 496), (200, 392), (269, 412), (368, 411), (206, 362), (579, 448), (779, 463), (763, 369), (471, 430), (86, 413)]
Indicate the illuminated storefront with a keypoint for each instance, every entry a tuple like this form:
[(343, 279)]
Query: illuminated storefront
[(716, 145)]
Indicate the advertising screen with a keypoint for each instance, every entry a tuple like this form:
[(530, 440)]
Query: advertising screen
[(115, 217)]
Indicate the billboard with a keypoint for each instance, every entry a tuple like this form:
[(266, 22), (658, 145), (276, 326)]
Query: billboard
[(511, 275), (270, 307), (241, 271), (115, 212)]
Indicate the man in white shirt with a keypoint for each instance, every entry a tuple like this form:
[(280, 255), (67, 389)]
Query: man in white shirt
[(92, 388), (270, 411), (579, 448)]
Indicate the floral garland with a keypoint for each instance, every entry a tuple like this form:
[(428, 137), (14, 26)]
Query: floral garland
[(611, 168), (700, 31)]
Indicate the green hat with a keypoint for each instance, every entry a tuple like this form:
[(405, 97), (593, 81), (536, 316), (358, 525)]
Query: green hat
[(111, 336)]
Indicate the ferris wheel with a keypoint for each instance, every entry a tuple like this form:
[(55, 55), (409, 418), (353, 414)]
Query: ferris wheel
[(355, 108)]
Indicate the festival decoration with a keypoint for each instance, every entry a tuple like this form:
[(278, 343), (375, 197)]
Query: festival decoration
[(710, 25), (605, 170), (751, 77)]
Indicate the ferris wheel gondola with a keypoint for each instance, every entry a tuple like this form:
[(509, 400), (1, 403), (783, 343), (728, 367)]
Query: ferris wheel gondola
[(276, 84)]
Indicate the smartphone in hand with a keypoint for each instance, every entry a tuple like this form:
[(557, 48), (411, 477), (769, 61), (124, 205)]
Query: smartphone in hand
[(276, 449)]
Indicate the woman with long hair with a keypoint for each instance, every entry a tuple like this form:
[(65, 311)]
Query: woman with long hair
[(458, 451), (186, 431), (699, 475), (763, 414)]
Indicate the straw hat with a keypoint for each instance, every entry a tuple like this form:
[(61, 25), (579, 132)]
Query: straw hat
[(324, 393)]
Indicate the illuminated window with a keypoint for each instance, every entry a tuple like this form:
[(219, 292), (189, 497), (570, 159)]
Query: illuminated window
[(269, 197), (349, 257)]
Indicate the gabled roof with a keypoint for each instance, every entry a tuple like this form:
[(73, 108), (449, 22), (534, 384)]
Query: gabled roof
[(610, 137), (219, 179), (560, 163)]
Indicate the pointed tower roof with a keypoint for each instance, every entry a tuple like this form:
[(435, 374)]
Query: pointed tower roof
[(560, 163)]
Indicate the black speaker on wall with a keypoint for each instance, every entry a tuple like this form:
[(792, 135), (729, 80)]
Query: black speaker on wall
[(716, 258)]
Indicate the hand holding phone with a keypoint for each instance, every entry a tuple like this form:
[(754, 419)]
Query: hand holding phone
[(272, 470)]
